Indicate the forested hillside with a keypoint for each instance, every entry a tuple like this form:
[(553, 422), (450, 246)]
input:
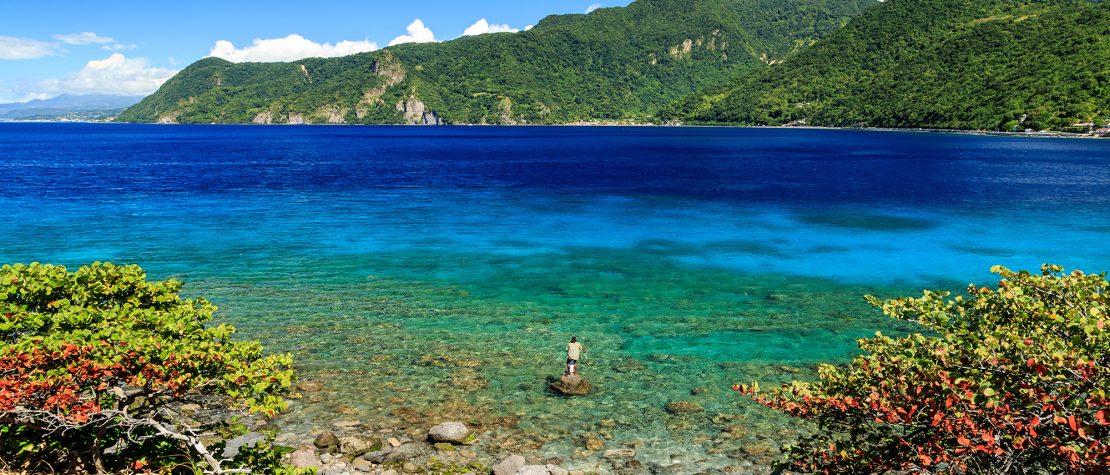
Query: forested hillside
[(614, 64), (960, 64)]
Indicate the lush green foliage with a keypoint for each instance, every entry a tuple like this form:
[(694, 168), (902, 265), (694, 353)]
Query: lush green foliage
[(613, 64), (1015, 380), (961, 64), (98, 367)]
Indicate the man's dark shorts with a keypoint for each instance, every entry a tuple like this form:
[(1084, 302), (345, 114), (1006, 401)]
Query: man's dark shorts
[(570, 361)]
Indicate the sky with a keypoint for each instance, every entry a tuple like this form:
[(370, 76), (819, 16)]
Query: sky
[(129, 47)]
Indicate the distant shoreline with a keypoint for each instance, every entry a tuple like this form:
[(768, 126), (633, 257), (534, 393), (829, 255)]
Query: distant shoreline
[(1048, 135), (986, 133)]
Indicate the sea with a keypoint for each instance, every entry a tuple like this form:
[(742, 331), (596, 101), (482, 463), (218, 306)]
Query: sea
[(419, 275)]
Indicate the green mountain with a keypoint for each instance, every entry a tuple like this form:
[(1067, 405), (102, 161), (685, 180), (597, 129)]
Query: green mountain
[(960, 64), (614, 64)]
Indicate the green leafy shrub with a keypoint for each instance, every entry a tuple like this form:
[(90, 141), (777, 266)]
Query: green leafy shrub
[(99, 368), (1015, 380)]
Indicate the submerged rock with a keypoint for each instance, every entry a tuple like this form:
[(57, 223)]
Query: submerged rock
[(629, 366), (594, 444), (683, 407), (310, 386), (572, 385), (345, 423), (624, 453), (437, 361), (666, 358), (346, 410)]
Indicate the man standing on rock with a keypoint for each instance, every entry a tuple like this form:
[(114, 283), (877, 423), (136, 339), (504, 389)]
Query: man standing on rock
[(574, 352)]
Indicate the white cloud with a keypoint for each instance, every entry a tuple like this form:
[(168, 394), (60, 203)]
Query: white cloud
[(418, 33), (482, 27), (83, 38), (118, 47), (592, 7), (290, 48), (115, 74), (529, 27), (26, 48)]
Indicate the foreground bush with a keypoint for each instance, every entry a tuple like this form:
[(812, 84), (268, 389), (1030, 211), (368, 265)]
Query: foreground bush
[(98, 367), (1016, 380)]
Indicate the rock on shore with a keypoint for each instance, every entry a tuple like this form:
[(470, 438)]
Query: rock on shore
[(509, 466), (451, 432), (304, 457)]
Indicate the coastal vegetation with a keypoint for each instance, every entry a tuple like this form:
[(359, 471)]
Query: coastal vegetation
[(103, 371), (954, 64), (1014, 379), (614, 64)]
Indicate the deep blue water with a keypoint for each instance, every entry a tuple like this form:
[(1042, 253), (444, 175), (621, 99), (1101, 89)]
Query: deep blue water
[(860, 206)]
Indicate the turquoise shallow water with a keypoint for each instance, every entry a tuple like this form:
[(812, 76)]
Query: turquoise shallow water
[(430, 274)]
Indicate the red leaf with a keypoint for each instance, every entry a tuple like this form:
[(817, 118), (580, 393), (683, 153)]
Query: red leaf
[(925, 459)]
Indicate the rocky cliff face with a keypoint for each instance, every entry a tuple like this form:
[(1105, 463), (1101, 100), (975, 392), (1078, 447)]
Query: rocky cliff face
[(330, 114), (417, 113), (715, 42), (392, 73), (263, 118)]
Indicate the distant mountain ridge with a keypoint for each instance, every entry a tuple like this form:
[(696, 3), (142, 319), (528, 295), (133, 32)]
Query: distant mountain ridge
[(67, 105), (957, 64), (614, 64)]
